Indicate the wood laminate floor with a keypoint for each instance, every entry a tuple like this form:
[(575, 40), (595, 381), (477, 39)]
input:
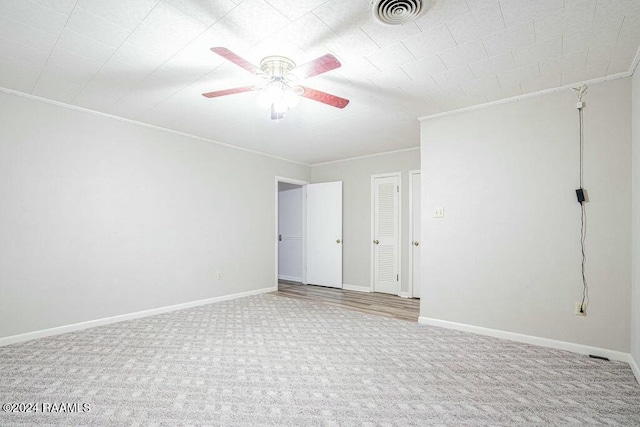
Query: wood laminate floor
[(372, 303)]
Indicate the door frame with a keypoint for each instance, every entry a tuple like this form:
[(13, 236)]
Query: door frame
[(411, 190), (293, 181), (373, 207)]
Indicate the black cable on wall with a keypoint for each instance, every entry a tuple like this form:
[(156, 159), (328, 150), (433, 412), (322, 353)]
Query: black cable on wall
[(580, 193)]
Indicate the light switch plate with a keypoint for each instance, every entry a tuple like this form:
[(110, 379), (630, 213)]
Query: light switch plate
[(438, 212)]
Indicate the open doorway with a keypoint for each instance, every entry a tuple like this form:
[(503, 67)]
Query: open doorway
[(308, 233), (290, 231)]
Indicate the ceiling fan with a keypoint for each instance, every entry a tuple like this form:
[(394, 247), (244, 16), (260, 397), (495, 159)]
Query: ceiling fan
[(279, 91)]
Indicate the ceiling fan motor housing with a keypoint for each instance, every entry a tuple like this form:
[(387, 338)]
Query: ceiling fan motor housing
[(398, 12), (276, 66)]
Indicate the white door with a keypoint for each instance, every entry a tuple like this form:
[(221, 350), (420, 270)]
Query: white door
[(324, 234), (415, 233), (386, 234)]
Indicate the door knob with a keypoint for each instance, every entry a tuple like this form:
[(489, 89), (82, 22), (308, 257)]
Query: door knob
[(375, 242), (416, 243), (338, 241)]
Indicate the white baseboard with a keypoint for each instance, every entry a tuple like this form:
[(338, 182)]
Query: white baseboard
[(405, 295), (529, 339), (290, 278), (634, 368), (358, 288), (13, 339)]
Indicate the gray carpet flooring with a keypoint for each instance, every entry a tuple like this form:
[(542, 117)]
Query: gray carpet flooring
[(273, 361)]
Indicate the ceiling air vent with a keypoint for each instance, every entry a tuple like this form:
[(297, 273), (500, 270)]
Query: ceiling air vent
[(398, 12)]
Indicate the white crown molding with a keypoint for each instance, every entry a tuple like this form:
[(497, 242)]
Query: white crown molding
[(14, 339), (526, 96), (349, 159), (146, 125)]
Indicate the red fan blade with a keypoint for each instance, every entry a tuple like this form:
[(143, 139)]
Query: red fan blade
[(228, 91), (240, 62), (320, 65), (325, 98)]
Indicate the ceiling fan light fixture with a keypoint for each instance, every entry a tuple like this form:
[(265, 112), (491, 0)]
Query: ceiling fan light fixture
[(278, 97), (398, 12)]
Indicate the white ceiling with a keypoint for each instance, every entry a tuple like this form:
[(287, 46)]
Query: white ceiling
[(149, 60)]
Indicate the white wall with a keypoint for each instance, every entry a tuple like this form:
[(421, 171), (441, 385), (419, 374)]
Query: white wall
[(356, 177), (635, 301), (290, 220), (507, 254), (100, 217)]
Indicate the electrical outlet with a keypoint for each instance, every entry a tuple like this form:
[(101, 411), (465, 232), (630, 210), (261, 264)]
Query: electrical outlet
[(218, 276), (580, 309), (438, 212)]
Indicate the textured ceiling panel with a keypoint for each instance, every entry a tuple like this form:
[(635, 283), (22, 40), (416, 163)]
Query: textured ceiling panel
[(19, 75), (474, 25), (21, 33), (257, 18), (391, 57), (63, 6), (21, 52), (430, 42), (493, 65), (385, 35), (540, 83), (481, 86), (93, 26), (424, 67), (34, 15), (296, 9), (342, 16), (518, 12), (509, 39), (84, 46), (205, 11), (125, 14), (453, 78), (536, 52), (149, 60), (463, 55), (519, 74)]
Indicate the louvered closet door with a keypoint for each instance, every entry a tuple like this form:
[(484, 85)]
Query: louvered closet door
[(386, 234)]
